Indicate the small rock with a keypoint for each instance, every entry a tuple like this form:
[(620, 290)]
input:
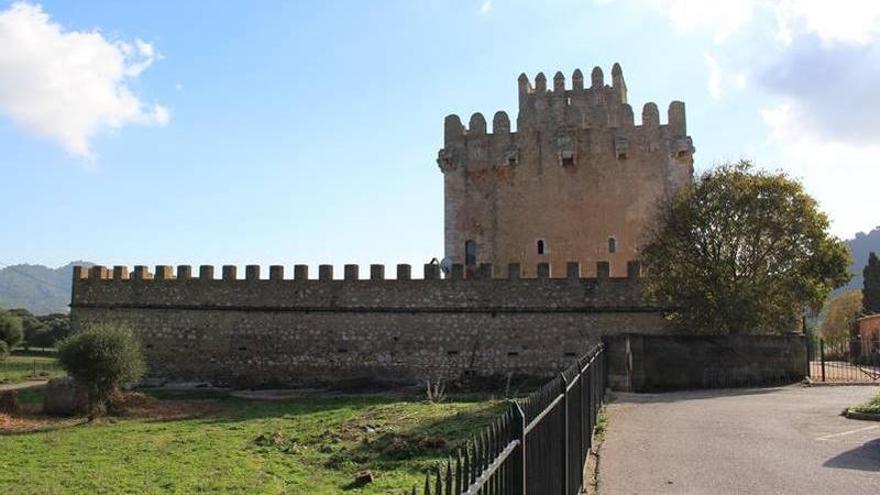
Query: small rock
[(64, 398), (364, 477)]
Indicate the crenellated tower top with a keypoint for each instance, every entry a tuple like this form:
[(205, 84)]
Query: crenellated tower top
[(595, 106), (578, 178)]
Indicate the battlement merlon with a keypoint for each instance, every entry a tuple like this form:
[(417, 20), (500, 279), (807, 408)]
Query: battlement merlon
[(598, 105), (566, 116), (482, 289), (351, 272), (456, 132)]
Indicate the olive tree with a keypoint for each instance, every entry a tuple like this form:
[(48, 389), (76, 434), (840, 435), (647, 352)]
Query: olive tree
[(102, 358)]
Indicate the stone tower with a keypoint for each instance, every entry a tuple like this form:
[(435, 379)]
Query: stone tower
[(577, 181)]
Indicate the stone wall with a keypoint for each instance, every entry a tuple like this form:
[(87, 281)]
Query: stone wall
[(278, 331), (648, 363)]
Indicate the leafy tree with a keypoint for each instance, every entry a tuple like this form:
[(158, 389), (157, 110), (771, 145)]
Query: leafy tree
[(842, 313), (102, 358), (742, 251), (31, 326), (10, 329), (871, 289), (57, 325), (4, 351)]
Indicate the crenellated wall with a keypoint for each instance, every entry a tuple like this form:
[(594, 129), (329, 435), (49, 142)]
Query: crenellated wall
[(257, 330), (576, 173)]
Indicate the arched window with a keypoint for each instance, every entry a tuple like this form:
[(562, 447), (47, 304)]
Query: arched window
[(612, 245), (470, 253), (541, 247)]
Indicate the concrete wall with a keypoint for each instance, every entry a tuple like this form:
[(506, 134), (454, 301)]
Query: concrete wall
[(576, 172), (646, 363), (297, 331)]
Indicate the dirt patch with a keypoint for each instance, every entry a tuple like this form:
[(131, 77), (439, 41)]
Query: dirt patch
[(381, 434), (137, 405), (30, 422), (143, 406)]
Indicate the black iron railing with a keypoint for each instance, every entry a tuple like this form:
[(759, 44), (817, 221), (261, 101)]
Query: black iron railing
[(538, 446), (844, 361)]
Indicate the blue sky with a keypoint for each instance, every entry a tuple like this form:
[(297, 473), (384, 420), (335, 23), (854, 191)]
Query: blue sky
[(306, 132)]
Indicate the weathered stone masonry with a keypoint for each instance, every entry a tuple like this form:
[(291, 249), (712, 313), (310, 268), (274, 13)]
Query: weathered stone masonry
[(577, 180), (278, 331)]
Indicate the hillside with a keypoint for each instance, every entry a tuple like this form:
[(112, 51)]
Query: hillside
[(860, 246), (37, 288)]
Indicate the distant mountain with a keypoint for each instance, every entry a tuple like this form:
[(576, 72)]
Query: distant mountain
[(860, 246), (37, 288)]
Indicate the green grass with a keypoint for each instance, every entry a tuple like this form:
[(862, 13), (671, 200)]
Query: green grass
[(601, 423), (304, 446), (20, 366), (870, 407)]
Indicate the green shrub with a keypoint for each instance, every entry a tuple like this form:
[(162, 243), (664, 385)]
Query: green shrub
[(870, 407), (102, 358), (10, 329), (4, 350)]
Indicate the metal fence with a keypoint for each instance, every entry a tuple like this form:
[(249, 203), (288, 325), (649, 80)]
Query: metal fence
[(853, 361), (17, 368), (538, 446)]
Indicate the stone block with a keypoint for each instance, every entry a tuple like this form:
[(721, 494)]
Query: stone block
[(63, 397)]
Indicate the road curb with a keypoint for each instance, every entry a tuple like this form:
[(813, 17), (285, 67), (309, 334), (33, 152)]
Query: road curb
[(862, 416), (811, 383)]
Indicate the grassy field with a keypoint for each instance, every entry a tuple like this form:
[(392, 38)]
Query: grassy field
[(20, 367), (309, 446)]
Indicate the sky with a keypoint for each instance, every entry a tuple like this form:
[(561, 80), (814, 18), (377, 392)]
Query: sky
[(282, 132)]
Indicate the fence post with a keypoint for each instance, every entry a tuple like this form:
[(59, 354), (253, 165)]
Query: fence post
[(809, 371), (563, 382), (519, 479), (822, 356), (604, 371), (585, 438)]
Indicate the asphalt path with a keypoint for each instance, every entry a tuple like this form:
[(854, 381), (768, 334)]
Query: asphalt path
[(787, 440)]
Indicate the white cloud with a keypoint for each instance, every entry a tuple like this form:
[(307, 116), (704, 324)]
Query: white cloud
[(723, 17), (714, 82), (835, 86), (70, 85), (847, 21), (822, 74), (486, 7), (843, 177)]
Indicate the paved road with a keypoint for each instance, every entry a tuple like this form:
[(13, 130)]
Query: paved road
[(788, 440)]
